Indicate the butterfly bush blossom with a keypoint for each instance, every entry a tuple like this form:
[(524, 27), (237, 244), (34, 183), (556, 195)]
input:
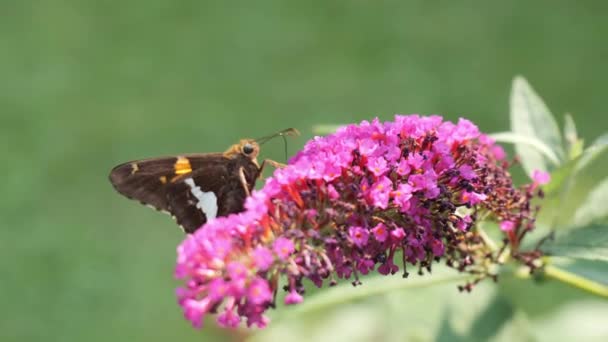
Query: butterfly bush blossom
[(374, 197)]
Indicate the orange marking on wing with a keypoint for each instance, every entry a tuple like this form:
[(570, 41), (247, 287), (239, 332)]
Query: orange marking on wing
[(134, 168), (182, 166), (163, 179)]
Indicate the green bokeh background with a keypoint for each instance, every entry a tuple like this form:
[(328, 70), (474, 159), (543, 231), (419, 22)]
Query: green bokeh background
[(85, 85)]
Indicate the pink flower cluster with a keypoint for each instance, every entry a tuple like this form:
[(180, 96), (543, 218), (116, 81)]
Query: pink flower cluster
[(349, 204)]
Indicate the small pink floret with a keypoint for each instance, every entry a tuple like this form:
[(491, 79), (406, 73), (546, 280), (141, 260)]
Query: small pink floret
[(507, 226), (541, 177)]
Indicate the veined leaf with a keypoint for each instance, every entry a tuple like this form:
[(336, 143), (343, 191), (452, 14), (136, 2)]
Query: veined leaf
[(530, 117), (570, 133), (492, 319), (374, 286), (594, 207), (576, 149), (345, 312), (593, 151), (590, 243), (564, 177), (561, 177), (530, 143), (446, 331), (574, 145), (577, 321)]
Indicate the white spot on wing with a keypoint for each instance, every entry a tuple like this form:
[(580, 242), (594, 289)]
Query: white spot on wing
[(207, 201)]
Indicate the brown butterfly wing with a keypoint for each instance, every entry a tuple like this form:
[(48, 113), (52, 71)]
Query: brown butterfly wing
[(175, 185), (145, 180)]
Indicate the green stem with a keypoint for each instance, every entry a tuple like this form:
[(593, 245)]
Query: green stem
[(486, 238), (576, 281)]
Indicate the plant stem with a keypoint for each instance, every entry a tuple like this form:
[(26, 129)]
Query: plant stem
[(486, 238), (576, 281)]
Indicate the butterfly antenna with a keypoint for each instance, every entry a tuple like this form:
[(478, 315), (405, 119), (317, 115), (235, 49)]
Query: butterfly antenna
[(291, 132), (285, 144)]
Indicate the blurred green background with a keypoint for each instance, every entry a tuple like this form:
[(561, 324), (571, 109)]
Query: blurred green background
[(85, 85)]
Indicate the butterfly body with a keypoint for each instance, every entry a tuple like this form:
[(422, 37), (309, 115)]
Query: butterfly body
[(193, 188)]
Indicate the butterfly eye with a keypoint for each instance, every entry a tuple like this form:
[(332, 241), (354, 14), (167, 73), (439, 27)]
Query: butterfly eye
[(247, 149)]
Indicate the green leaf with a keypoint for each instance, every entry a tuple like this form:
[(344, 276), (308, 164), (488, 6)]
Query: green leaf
[(560, 177), (576, 149), (373, 286), (579, 321), (539, 295), (381, 308), (570, 133), (589, 243), (594, 207), (446, 331), (496, 314), (574, 145), (564, 178), (530, 117), (529, 141), (593, 151), (520, 328), (581, 161)]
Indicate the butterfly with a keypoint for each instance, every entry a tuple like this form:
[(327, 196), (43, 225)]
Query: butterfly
[(195, 188)]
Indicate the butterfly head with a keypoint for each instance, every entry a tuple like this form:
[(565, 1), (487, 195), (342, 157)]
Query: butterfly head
[(250, 148), (246, 147)]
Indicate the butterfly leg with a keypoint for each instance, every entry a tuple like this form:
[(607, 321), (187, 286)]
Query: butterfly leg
[(244, 181), (272, 163)]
